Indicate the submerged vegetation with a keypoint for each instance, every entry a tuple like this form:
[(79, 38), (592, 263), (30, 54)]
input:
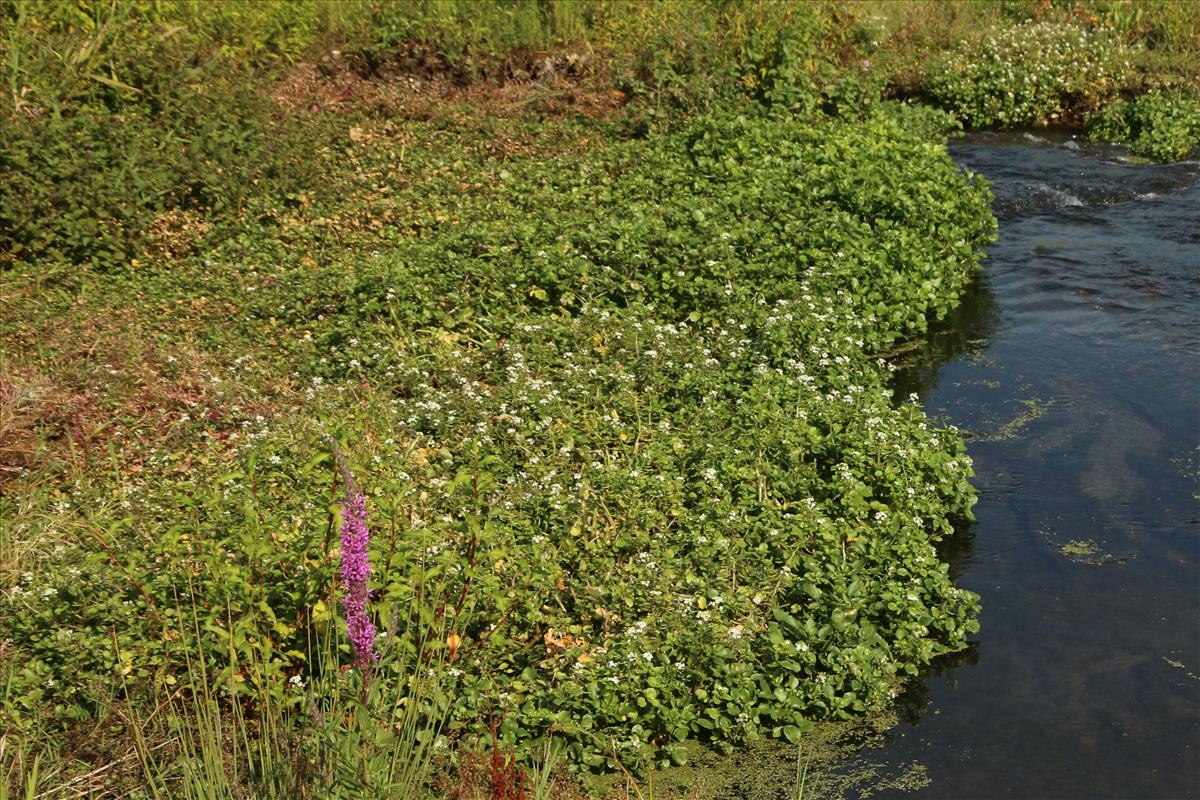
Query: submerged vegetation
[(587, 298)]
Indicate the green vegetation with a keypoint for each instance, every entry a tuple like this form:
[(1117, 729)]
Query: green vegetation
[(1018, 64), (119, 113), (1163, 127), (688, 528), (1085, 551), (1023, 74), (1079, 548), (591, 297)]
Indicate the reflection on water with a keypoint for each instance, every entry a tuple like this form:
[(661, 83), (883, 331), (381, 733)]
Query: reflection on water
[(964, 333), (915, 701), (1073, 367)]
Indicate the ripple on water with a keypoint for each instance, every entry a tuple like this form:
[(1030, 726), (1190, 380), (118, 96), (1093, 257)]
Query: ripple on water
[(1085, 549)]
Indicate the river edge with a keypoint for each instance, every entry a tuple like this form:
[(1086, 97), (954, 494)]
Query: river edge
[(873, 765)]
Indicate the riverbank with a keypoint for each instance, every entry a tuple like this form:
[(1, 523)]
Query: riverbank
[(596, 331)]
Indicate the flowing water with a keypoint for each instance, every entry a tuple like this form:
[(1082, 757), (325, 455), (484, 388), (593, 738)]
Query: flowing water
[(1074, 368)]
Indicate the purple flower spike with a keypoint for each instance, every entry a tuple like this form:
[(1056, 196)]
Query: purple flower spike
[(356, 571)]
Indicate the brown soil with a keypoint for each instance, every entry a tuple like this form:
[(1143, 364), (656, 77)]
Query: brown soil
[(418, 83)]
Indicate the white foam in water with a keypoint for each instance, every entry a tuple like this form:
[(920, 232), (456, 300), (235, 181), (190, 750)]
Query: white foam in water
[(1035, 138), (1063, 198)]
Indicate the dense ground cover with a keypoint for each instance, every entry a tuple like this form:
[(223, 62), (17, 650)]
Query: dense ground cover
[(1164, 126), (612, 377), (999, 65)]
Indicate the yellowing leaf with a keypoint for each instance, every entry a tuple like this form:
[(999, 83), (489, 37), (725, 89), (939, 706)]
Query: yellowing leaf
[(319, 611)]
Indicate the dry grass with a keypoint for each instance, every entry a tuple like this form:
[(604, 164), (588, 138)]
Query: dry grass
[(424, 87), (21, 404)]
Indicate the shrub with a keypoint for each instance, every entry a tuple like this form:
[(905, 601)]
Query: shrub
[(1161, 126), (145, 113), (1028, 74)]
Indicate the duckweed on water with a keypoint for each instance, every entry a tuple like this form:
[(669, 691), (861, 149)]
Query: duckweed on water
[(1189, 467), (1079, 548), (1086, 551), (1179, 665)]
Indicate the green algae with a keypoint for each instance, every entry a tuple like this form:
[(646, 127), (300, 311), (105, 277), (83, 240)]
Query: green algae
[(1179, 665), (1085, 551), (832, 761), (1079, 548), (1034, 408)]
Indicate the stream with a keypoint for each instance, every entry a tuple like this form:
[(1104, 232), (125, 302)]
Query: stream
[(1073, 366)]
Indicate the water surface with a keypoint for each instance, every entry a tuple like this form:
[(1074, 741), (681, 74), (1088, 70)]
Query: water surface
[(1074, 367)]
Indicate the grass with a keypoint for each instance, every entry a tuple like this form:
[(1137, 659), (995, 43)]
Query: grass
[(334, 734), (23, 771), (801, 772)]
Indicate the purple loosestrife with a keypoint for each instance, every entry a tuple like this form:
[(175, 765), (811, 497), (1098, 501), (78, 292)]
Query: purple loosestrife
[(356, 571)]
